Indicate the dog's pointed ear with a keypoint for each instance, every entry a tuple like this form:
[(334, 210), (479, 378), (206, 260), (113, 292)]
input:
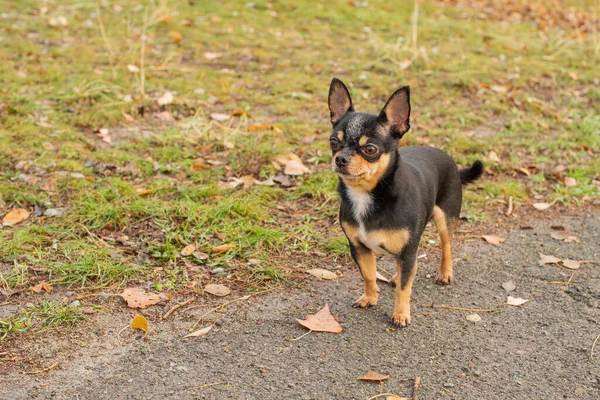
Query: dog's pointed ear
[(339, 101), (394, 116)]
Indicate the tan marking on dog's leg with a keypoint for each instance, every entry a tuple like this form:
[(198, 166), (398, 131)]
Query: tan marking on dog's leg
[(445, 273), (366, 263), (401, 316)]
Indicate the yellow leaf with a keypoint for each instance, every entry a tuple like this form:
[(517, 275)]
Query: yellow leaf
[(140, 322), (15, 216)]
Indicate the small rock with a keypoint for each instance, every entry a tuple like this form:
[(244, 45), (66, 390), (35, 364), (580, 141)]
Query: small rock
[(77, 175), (477, 372), (217, 271), (448, 385), (75, 303), (473, 317), (54, 212)]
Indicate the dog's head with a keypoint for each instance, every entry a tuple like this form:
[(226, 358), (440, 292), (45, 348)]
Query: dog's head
[(363, 144)]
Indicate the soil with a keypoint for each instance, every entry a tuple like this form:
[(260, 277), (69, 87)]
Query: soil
[(540, 350)]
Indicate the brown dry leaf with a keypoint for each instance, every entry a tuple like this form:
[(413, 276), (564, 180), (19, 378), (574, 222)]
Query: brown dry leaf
[(516, 301), (138, 298), (240, 113), (224, 248), (570, 239), (143, 191), (382, 278), (396, 397), (541, 206), (499, 89), (199, 332), (570, 264), (322, 321), (217, 290), (373, 376), (524, 171), (49, 185), (220, 117), (570, 182), (200, 165), (187, 250), (128, 117), (495, 240), (295, 168), (493, 156), (175, 36), (15, 216), (260, 127), (544, 259), (41, 286), (140, 322), (200, 255), (248, 181), (322, 273), (165, 116)]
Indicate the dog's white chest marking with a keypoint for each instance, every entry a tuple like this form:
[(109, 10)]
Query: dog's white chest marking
[(361, 204)]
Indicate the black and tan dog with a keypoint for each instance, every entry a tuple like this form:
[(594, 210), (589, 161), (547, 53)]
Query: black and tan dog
[(388, 195)]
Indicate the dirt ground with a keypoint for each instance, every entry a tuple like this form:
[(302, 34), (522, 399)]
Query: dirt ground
[(538, 351)]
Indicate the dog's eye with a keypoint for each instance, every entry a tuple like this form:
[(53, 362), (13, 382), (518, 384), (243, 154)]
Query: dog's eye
[(371, 149), (333, 143)]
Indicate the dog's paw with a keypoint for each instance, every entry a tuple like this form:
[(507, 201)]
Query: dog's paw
[(443, 279), (365, 301), (401, 320)]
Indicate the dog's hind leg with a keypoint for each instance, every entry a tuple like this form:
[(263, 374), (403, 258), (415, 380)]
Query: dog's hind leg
[(444, 276)]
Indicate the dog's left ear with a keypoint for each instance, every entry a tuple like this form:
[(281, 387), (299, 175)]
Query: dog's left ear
[(395, 114), (339, 101)]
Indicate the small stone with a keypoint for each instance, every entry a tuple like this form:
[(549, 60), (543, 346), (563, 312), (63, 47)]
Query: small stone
[(77, 175), (448, 385), (477, 372), (217, 271), (473, 317), (75, 303), (54, 212)]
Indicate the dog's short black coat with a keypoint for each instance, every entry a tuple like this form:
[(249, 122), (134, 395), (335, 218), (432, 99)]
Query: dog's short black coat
[(388, 195)]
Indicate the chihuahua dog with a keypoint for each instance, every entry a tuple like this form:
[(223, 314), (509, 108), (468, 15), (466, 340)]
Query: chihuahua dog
[(389, 194)]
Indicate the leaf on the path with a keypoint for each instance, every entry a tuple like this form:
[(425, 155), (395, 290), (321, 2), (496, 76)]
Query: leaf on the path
[(217, 290), (140, 322), (570, 239), (138, 298), (545, 259), (541, 206), (199, 332), (322, 273), (224, 248), (41, 286), (219, 117), (187, 250), (509, 286), (473, 317), (373, 376), (381, 277), (560, 235), (322, 321), (166, 98), (516, 301), (495, 240), (15, 216), (570, 264), (570, 182)]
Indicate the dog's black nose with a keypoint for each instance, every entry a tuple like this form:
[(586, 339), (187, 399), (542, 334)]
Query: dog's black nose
[(341, 160)]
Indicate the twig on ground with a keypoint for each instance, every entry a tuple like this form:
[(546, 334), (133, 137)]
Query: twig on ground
[(567, 283), (462, 308), (382, 395), (592, 349), (510, 207), (206, 386), (40, 371), (219, 308), (416, 385), (83, 296), (299, 337), (177, 306)]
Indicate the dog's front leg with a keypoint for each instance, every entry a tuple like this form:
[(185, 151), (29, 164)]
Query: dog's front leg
[(406, 269), (365, 259)]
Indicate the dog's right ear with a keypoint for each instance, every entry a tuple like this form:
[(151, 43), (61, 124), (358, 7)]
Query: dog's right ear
[(339, 101)]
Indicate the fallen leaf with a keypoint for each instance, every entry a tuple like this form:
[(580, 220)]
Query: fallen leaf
[(295, 168), (165, 116), (541, 206), (224, 248), (41, 286), (211, 56), (187, 250), (473, 317), (260, 127), (143, 191), (560, 235), (495, 240), (199, 332), (166, 98), (524, 171), (544, 259), (509, 286), (200, 255), (396, 397), (248, 181), (570, 182), (373, 376), (516, 301), (105, 135), (200, 165), (15, 216), (570, 264), (322, 273), (220, 117), (499, 89), (322, 321), (138, 298), (381, 277), (140, 322), (493, 156), (570, 239), (217, 290), (175, 36), (283, 180)]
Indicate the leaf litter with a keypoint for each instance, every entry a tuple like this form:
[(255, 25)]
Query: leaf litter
[(217, 290), (138, 298), (322, 321), (323, 273), (15, 216), (140, 322), (373, 376), (199, 332)]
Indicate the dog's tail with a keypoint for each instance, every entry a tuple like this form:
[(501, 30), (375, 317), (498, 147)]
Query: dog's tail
[(468, 175)]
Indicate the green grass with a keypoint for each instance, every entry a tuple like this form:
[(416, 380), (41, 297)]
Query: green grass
[(62, 84), (56, 314)]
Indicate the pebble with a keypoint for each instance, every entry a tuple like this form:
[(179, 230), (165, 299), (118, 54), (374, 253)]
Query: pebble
[(448, 385), (74, 304), (217, 270)]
